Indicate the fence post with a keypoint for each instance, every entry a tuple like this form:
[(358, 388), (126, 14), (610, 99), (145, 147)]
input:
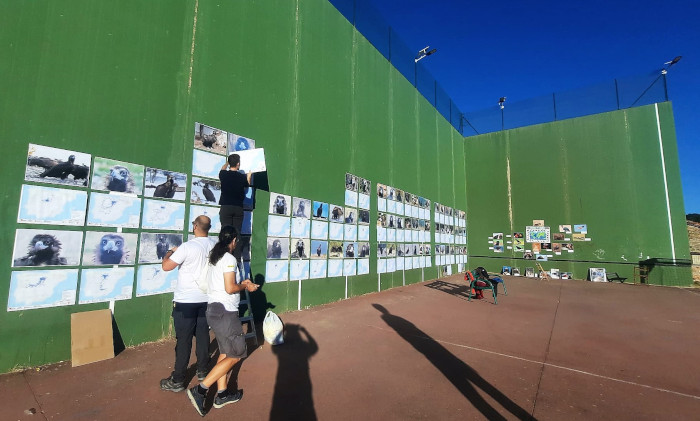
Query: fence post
[(554, 102), (665, 87), (435, 95), (617, 95), (390, 44)]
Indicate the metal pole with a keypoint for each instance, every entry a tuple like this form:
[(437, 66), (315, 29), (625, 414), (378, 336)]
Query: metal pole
[(390, 44), (665, 87), (554, 102), (503, 124), (617, 95), (435, 94)]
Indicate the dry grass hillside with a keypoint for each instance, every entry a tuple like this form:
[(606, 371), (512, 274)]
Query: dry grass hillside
[(694, 237)]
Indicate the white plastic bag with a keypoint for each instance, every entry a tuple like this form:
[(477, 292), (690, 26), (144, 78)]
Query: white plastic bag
[(272, 329)]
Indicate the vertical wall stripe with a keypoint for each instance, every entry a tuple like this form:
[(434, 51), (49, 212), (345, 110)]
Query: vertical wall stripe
[(663, 168)]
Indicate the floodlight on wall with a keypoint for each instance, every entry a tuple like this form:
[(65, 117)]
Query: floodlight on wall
[(502, 102), (668, 64), (425, 52)]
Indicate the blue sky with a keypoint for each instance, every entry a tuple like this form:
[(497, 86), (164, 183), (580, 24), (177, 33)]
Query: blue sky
[(522, 50)]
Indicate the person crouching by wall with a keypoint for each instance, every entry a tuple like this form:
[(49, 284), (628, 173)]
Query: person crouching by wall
[(222, 316)]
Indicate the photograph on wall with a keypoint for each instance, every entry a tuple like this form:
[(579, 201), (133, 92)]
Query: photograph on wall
[(336, 249), (153, 246), (566, 229), (207, 164), (276, 270), (557, 236), (535, 234), (349, 267), (280, 204), (381, 204), (153, 280), (252, 160), (391, 206), (212, 213), (554, 273), (362, 266), (117, 176), (249, 198), (247, 226), (42, 288), (278, 248), (566, 275), (114, 210), (382, 191), (362, 249), (109, 248), (382, 219), (400, 235), (298, 270), (542, 257), (362, 233), (52, 206), (336, 231), (239, 143), (390, 234), (350, 233), (349, 249), (301, 227), (400, 263), (319, 230), (301, 247), (519, 245), (578, 237), (106, 284), (320, 210), (569, 247), (581, 228), (336, 213), (319, 249), (363, 201), (57, 166), (278, 226), (205, 191), (364, 186), (164, 184), (351, 198), (363, 217), (210, 139), (498, 249), (381, 265), (40, 247), (556, 248), (536, 247), (351, 182), (318, 269), (530, 272), (538, 222), (335, 268), (546, 246), (597, 275), (390, 265), (350, 215), (381, 234), (382, 249), (301, 208), (516, 271), (163, 215)]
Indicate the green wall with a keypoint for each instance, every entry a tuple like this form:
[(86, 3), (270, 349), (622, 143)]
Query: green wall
[(128, 80), (602, 170)]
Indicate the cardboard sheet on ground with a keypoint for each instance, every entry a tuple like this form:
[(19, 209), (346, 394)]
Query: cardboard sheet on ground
[(91, 337)]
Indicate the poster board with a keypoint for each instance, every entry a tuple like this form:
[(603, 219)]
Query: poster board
[(91, 337)]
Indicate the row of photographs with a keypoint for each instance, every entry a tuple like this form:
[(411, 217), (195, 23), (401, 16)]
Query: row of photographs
[(297, 207), (384, 205), (565, 228), (219, 141), (402, 236), (530, 273), (392, 194), (58, 287), (386, 220), (391, 265), (303, 248), (448, 211), (297, 270)]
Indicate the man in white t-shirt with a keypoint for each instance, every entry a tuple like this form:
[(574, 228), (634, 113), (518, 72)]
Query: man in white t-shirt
[(189, 304)]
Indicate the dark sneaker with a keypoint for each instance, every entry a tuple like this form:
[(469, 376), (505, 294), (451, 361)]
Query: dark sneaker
[(201, 375), (197, 400), (228, 398), (171, 385)]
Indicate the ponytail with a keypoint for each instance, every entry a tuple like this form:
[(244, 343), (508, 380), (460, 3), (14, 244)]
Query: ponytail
[(227, 235)]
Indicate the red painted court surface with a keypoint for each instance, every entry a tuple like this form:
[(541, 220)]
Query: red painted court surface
[(550, 350)]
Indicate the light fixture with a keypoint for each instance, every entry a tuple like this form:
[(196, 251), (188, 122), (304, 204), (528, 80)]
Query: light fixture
[(424, 53)]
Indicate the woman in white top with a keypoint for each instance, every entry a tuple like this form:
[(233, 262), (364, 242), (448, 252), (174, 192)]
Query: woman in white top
[(222, 316)]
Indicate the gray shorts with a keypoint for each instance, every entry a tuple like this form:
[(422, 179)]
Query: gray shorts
[(228, 330)]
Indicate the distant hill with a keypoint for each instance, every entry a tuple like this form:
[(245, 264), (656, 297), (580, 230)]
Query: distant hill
[(695, 217)]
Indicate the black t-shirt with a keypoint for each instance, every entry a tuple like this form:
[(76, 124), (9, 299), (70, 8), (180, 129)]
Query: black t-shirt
[(233, 185)]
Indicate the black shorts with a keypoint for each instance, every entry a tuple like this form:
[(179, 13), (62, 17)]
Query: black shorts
[(228, 330)]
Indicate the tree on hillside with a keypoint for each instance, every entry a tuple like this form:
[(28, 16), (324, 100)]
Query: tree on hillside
[(695, 217)]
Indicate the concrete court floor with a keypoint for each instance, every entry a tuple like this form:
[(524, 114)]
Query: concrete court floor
[(550, 350)]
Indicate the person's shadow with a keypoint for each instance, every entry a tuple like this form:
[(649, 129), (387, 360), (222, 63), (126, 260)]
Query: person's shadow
[(293, 397), (460, 374)]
